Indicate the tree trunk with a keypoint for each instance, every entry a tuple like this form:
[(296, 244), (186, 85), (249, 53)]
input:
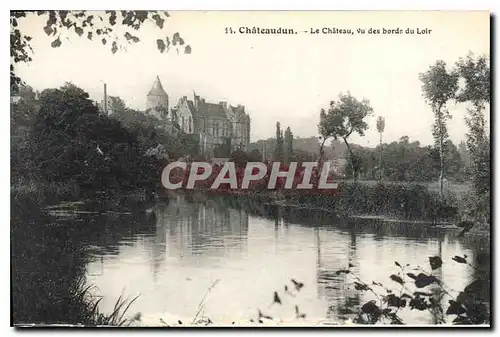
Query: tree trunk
[(321, 158), (354, 169), (440, 120), (441, 173), (441, 154), (380, 159), (321, 154)]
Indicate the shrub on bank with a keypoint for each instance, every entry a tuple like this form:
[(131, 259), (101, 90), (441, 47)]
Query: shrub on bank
[(407, 201), (403, 201), (26, 193), (476, 208)]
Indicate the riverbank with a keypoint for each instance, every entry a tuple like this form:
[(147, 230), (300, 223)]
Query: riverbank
[(411, 203), (36, 192), (29, 198), (383, 204), (405, 202)]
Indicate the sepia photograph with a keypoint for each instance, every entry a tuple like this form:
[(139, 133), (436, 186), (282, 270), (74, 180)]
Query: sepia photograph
[(174, 168)]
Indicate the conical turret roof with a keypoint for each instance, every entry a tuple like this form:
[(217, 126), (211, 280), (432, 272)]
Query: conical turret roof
[(157, 89)]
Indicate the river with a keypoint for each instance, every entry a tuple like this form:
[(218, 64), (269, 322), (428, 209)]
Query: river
[(174, 252)]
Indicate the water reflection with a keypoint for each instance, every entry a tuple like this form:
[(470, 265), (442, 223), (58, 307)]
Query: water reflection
[(199, 231), (172, 253)]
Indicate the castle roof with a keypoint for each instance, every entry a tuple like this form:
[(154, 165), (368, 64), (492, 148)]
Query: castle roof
[(157, 89), (206, 109), (212, 110)]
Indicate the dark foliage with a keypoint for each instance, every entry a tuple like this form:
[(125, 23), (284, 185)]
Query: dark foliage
[(68, 148), (467, 307)]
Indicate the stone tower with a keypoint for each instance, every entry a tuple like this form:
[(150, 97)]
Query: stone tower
[(157, 100)]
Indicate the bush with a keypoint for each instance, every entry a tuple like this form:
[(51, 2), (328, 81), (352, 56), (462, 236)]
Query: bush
[(407, 201), (403, 201), (476, 208), (25, 194)]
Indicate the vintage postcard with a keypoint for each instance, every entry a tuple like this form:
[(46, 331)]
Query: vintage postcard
[(250, 168)]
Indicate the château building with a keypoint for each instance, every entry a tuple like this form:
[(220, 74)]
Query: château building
[(214, 124)]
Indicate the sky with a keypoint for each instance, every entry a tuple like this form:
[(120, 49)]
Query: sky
[(286, 78)]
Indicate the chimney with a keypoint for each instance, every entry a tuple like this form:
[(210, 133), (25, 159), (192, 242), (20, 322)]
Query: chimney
[(223, 104)]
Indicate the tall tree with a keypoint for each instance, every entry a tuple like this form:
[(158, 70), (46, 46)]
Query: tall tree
[(380, 130), (94, 25), (477, 91), (476, 73), (342, 119), (279, 150), (288, 148), (380, 126), (439, 87)]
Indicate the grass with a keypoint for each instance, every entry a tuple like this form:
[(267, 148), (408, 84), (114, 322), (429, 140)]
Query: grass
[(432, 186), (29, 191), (201, 305), (117, 318), (88, 307), (401, 201)]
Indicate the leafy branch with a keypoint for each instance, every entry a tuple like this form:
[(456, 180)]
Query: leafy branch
[(100, 26), (467, 306)]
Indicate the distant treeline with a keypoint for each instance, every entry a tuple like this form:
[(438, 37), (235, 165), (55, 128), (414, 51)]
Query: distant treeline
[(401, 161)]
